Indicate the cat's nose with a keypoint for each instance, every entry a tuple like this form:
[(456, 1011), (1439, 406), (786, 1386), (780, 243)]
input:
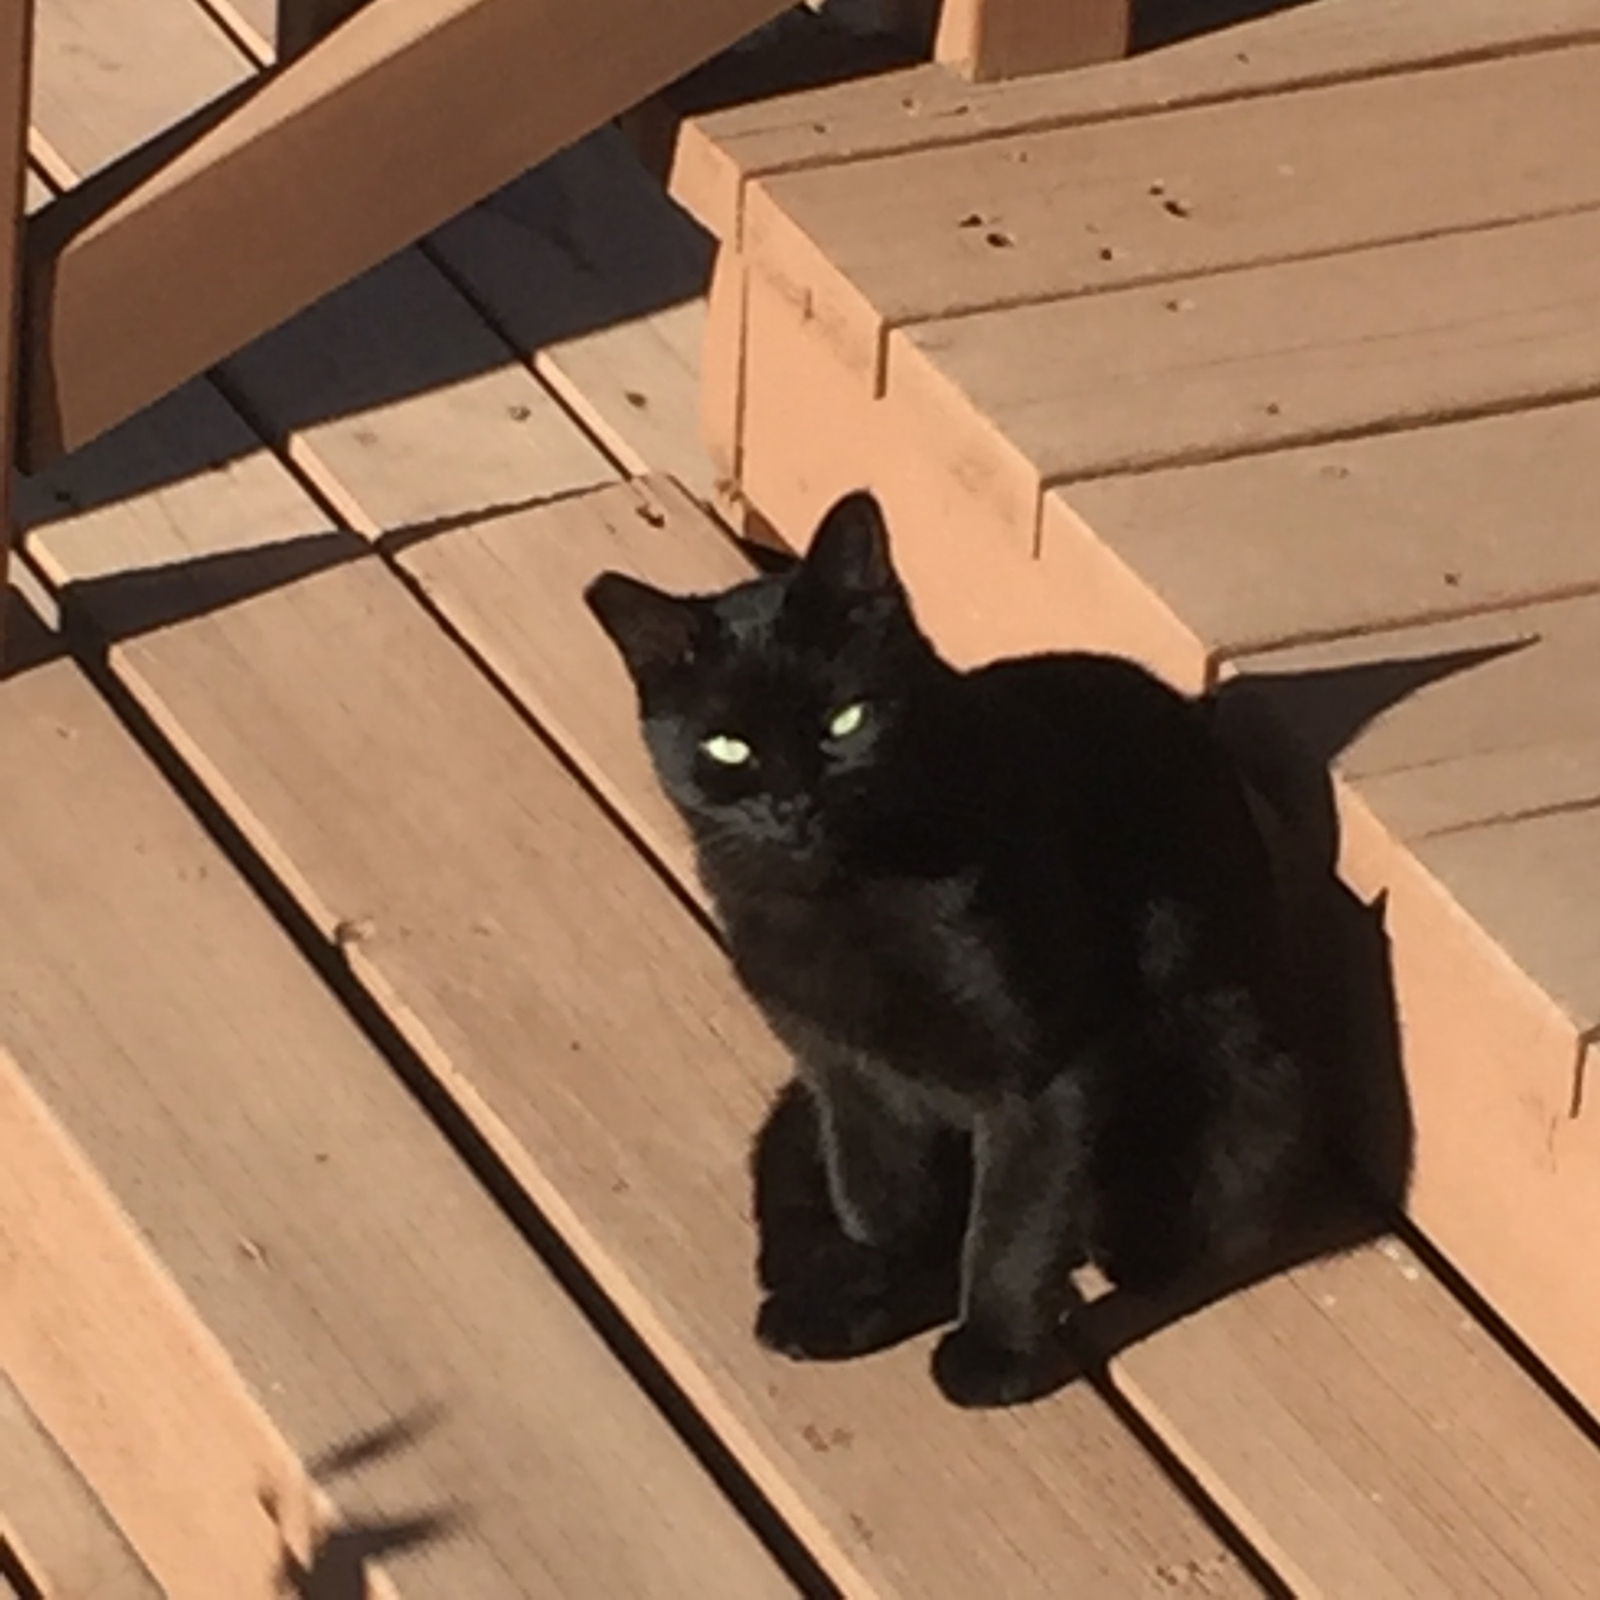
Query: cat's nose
[(794, 815)]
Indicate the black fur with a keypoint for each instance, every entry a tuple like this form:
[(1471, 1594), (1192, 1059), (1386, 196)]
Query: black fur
[(1018, 931)]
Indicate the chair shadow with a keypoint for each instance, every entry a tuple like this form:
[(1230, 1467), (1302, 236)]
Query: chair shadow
[(115, 608), (1283, 732), (341, 1560)]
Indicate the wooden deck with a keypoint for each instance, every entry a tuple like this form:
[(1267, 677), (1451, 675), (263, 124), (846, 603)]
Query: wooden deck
[(375, 1098)]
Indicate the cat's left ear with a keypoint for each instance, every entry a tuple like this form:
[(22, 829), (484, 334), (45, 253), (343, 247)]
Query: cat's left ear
[(849, 553), (651, 629)]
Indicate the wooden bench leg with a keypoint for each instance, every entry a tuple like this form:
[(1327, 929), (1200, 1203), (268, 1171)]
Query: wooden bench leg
[(16, 55), (988, 39)]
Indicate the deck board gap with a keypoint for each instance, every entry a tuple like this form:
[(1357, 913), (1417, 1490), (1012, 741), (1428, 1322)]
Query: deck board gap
[(241, 32), (1515, 1348), (1380, 428), (1556, 808)]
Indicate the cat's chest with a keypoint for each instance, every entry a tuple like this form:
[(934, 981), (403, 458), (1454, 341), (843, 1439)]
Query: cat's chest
[(911, 974)]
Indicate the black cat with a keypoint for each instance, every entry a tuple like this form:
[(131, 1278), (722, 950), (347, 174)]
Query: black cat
[(1016, 927)]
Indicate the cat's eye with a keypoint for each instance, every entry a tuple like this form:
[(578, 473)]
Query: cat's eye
[(848, 721), (726, 750)]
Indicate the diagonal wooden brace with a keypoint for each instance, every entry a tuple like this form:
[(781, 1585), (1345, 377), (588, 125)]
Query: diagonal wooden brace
[(408, 112)]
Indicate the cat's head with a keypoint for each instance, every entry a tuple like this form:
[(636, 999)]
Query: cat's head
[(771, 710)]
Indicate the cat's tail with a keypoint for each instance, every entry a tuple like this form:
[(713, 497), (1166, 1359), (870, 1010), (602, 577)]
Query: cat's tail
[(1260, 1163)]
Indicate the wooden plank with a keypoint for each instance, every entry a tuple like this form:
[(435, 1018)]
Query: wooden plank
[(128, 307), (1532, 882), (224, 1302), (16, 54), (94, 103), (52, 1521), (154, 476), (1255, 360), (505, 921), (391, 381), (812, 432), (989, 39), (564, 670), (929, 106), (253, 23), (1331, 1422), (1189, 567), (600, 281), (878, 244), (404, 409), (1361, 1471)]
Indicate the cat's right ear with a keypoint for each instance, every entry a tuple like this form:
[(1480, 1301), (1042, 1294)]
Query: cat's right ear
[(849, 552), (652, 630)]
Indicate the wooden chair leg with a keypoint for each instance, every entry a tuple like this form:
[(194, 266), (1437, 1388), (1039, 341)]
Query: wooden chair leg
[(16, 57), (988, 39)]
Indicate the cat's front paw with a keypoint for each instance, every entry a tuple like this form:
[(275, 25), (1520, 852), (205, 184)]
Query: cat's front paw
[(973, 1370), (833, 1323), (820, 1327)]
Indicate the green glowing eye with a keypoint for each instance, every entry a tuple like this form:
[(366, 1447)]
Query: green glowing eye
[(726, 749), (848, 721)]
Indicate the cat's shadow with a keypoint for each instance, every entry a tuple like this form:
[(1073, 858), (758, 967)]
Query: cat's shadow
[(1284, 732)]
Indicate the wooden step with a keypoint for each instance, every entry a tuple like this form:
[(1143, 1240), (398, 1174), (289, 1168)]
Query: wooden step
[(1195, 570), (895, 113), (874, 245), (51, 1522), (1196, 567), (1251, 362), (273, 1320)]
